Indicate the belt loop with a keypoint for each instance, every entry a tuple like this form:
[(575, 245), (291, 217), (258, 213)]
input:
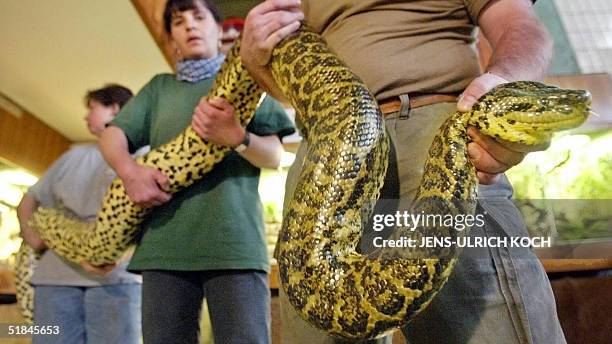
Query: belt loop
[(404, 111)]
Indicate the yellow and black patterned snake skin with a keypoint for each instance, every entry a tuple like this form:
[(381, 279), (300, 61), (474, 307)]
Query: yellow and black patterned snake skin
[(329, 283), (26, 260)]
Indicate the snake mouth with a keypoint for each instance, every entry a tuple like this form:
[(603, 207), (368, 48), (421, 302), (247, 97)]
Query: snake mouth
[(551, 118)]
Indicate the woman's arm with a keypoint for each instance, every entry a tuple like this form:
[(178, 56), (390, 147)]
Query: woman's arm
[(263, 151), (214, 120)]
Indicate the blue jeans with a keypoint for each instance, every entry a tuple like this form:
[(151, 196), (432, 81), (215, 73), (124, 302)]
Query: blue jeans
[(105, 314), (238, 304)]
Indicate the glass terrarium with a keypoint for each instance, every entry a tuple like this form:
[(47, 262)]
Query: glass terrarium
[(565, 192)]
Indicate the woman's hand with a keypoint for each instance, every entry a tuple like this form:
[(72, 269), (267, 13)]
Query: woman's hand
[(146, 186), (214, 120), (98, 270)]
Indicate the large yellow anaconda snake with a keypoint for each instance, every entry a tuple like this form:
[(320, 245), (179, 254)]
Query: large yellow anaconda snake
[(329, 283)]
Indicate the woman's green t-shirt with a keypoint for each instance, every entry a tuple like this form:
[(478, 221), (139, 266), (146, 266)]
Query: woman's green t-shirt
[(217, 222)]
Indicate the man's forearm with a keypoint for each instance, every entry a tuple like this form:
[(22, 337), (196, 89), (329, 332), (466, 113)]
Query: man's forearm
[(522, 52)]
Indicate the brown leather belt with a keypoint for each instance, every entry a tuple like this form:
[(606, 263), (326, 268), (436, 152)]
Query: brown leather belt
[(393, 104)]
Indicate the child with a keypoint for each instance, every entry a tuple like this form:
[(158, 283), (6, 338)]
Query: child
[(87, 307)]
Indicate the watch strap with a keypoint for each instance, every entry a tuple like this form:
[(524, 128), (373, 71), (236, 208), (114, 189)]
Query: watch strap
[(244, 144)]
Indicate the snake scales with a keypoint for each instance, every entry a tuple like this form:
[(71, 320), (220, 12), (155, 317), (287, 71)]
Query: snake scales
[(327, 281)]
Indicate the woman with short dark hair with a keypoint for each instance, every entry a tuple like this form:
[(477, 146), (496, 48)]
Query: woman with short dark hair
[(207, 241)]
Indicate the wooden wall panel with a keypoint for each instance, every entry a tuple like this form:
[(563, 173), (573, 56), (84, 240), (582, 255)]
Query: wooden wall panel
[(583, 306), (29, 143)]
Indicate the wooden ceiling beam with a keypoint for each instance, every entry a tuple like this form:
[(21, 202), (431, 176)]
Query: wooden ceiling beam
[(151, 12)]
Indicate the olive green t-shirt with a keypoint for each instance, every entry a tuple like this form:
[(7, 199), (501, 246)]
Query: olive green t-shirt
[(217, 222), (396, 47)]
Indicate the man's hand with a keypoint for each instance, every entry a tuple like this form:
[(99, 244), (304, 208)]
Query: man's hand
[(214, 120), (490, 157), (265, 26), (97, 270), (477, 88), (146, 186)]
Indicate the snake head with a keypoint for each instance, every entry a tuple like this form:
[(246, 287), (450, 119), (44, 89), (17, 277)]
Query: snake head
[(529, 112)]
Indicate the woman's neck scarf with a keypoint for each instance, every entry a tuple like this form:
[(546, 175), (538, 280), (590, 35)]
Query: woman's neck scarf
[(197, 70)]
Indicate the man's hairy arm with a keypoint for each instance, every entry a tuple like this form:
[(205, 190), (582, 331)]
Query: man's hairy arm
[(522, 50)]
